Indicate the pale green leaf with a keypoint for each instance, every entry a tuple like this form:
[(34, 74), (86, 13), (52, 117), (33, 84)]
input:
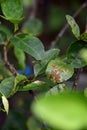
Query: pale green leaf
[(66, 111), (5, 104), (74, 26)]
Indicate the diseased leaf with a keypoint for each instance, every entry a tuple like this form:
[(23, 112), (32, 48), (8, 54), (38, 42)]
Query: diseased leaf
[(73, 54), (67, 111), (58, 71), (74, 26), (5, 104), (20, 55), (29, 44)]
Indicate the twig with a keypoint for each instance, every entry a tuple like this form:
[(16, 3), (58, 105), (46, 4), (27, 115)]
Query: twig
[(76, 80), (61, 33), (7, 63)]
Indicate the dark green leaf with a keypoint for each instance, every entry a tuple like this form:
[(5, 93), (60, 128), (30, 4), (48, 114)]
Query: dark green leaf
[(58, 71), (73, 54), (49, 55), (29, 44), (20, 55), (12, 10), (32, 26), (67, 111), (74, 26)]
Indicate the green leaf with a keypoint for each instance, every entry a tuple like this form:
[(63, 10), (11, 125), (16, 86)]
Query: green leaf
[(9, 86), (74, 26), (34, 85), (5, 103), (12, 10), (4, 33), (4, 72), (73, 54), (32, 26), (6, 86), (58, 71), (65, 111), (83, 37), (29, 44), (20, 55), (49, 55)]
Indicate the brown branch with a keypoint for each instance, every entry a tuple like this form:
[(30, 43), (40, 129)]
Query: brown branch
[(76, 80), (61, 33), (7, 63)]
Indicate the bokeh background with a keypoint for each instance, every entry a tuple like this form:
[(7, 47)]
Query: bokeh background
[(49, 19)]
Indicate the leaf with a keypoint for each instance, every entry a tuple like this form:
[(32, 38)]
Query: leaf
[(20, 55), (9, 86), (58, 71), (83, 37), (32, 26), (12, 10), (4, 72), (34, 85), (73, 54), (49, 55), (4, 33), (6, 86), (74, 26), (5, 103), (65, 111), (29, 44)]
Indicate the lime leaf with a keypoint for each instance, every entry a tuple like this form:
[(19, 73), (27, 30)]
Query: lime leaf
[(29, 44), (12, 10), (83, 37), (73, 54), (58, 71), (32, 26), (65, 111), (5, 104), (74, 26), (20, 55), (34, 85)]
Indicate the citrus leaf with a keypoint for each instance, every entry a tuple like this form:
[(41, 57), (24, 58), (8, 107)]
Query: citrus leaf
[(5, 104), (58, 71), (73, 54), (34, 85), (74, 26), (65, 111), (32, 26), (12, 10), (29, 44)]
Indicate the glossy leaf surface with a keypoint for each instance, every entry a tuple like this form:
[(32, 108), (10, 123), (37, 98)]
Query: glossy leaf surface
[(30, 45)]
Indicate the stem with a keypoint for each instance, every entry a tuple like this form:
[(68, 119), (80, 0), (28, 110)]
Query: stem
[(76, 80), (62, 31), (7, 63)]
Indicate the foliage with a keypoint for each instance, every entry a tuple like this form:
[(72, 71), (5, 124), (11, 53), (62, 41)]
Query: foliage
[(58, 107)]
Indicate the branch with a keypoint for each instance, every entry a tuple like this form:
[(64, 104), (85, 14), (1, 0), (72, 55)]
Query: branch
[(76, 80), (7, 63), (61, 33)]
